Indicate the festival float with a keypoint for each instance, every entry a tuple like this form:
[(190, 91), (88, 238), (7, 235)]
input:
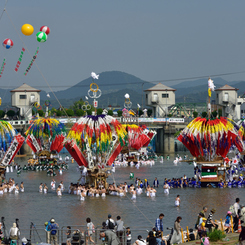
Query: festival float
[(95, 142), (209, 141), (10, 143), (45, 136)]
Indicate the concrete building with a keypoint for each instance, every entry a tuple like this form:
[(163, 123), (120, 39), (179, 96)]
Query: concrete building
[(160, 97), (226, 97), (24, 98)]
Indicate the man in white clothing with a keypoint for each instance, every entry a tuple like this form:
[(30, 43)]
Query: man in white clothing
[(236, 214)]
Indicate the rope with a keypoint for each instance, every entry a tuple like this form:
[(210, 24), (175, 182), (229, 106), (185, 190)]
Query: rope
[(3, 9), (35, 62)]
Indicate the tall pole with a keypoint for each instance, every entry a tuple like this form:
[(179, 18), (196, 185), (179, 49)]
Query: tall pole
[(142, 96)]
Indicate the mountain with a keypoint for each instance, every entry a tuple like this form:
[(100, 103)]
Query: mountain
[(108, 82)]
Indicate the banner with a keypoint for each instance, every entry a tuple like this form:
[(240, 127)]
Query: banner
[(13, 149)]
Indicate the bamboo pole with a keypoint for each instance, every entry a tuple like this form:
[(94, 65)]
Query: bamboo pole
[(232, 225), (187, 233), (222, 228), (182, 235)]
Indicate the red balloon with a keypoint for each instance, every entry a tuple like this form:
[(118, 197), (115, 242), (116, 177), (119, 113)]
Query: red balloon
[(45, 29)]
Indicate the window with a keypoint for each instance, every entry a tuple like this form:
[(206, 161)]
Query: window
[(164, 95), (22, 96), (146, 96)]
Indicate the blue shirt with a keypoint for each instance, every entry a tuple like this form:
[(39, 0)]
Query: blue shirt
[(159, 224)]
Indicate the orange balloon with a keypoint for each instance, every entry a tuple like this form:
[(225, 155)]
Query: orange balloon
[(27, 29)]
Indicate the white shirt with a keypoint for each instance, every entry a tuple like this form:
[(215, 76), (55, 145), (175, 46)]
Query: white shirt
[(236, 207)]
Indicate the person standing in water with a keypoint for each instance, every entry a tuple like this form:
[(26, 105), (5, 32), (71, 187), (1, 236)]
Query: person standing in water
[(177, 201)]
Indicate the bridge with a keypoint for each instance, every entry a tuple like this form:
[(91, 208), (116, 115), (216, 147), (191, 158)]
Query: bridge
[(166, 128)]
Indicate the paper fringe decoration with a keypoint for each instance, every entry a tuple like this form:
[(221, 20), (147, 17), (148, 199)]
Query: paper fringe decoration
[(210, 138), (7, 134), (32, 61), (19, 60), (2, 67)]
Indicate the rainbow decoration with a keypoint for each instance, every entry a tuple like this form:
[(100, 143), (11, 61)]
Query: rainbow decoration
[(19, 60), (210, 138), (46, 130), (7, 134), (98, 132)]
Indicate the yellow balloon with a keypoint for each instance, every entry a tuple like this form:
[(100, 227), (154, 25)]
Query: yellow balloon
[(27, 29)]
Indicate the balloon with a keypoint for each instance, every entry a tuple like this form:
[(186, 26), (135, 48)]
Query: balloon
[(8, 43), (41, 37), (45, 29), (27, 29)]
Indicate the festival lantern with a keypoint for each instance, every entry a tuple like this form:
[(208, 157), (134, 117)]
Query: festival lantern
[(46, 132), (41, 37), (27, 29), (8, 43), (45, 29), (96, 137)]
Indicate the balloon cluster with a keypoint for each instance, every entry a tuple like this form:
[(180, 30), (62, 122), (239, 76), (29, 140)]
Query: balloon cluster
[(19, 60), (2, 67), (32, 61)]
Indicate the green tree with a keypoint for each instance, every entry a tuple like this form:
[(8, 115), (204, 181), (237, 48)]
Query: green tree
[(170, 115), (119, 113), (41, 113), (141, 112), (149, 112), (99, 111), (204, 114), (70, 112), (89, 112), (195, 114), (2, 113), (220, 112), (58, 113), (10, 113), (53, 111), (110, 112), (80, 112), (214, 114)]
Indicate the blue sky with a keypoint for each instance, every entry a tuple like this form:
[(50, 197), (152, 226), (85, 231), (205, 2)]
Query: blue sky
[(154, 40)]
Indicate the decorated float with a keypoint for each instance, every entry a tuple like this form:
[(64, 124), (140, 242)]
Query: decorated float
[(94, 142), (209, 141), (10, 143), (45, 136)]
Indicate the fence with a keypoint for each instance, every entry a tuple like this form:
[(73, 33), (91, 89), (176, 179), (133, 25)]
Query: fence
[(38, 234)]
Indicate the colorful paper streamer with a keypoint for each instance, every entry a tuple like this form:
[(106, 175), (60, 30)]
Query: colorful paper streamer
[(32, 61), (19, 60)]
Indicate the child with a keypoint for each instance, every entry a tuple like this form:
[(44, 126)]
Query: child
[(227, 222), (192, 235), (204, 239), (128, 234)]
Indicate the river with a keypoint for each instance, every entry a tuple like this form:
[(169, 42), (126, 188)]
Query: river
[(32, 206)]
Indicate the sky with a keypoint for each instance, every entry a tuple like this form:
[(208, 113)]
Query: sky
[(154, 40)]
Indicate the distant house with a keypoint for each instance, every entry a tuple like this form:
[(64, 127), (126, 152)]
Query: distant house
[(24, 98), (160, 97)]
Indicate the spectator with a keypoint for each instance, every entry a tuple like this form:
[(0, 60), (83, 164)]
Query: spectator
[(204, 210), (151, 239), (159, 223), (111, 237), (129, 236), (53, 227), (236, 214), (210, 223), (1, 233), (176, 238), (140, 241), (68, 235), (14, 233), (90, 230), (119, 228), (110, 223)]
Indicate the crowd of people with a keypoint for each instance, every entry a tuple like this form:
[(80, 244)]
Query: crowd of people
[(11, 187)]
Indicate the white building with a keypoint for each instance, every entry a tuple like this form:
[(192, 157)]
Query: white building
[(226, 97), (160, 97), (24, 98)]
